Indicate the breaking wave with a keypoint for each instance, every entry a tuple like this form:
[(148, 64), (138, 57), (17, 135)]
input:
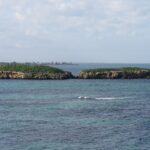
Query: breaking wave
[(104, 98)]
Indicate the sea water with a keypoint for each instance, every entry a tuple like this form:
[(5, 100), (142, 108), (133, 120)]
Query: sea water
[(75, 114)]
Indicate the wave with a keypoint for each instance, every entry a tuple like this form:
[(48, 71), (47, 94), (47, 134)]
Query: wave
[(112, 98), (104, 98), (84, 97)]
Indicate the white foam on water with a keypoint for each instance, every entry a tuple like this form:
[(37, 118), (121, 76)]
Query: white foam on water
[(107, 98), (84, 97), (112, 98), (80, 97), (104, 98)]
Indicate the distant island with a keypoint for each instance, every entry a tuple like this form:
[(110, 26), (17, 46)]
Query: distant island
[(24, 71), (115, 73), (43, 72)]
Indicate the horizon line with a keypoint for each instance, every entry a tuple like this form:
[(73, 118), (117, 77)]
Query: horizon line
[(75, 62)]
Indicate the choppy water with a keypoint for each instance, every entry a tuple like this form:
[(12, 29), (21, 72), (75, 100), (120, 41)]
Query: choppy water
[(75, 115)]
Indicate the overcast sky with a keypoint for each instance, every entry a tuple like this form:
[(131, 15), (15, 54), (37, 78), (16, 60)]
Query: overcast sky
[(75, 30)]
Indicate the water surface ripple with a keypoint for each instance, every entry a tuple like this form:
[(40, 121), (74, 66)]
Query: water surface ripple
[(75, 115)]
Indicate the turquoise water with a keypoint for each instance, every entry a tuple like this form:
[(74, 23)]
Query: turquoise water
[(75, 115)]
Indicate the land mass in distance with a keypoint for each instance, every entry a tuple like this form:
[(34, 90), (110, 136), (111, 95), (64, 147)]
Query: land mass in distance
[(43, 72)]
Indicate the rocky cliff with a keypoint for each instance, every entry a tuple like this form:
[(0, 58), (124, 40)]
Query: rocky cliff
[(23, 71), (42, 76), (115, 74)]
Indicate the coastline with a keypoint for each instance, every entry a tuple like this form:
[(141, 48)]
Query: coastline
[(38, 72)]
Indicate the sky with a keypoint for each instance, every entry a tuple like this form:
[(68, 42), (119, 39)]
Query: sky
[(105, 31)]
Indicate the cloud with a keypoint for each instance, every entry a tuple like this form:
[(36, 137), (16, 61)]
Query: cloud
[(19, 17), (83, 16), (18, 45)]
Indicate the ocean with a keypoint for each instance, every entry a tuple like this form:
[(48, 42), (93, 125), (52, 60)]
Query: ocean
[(75, 114)]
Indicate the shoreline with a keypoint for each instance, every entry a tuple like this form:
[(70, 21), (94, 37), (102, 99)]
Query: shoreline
[(37, 72)]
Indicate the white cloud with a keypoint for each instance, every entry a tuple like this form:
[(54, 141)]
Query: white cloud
[(115, 6), (18, 45), (20, 17), (60, 27), (77, 15)]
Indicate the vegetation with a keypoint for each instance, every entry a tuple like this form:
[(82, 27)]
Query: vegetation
[(29, 68), (126, 69)]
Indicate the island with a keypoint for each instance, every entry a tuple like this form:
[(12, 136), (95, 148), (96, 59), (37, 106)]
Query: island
[(116, 73), (24, 71), (43, 72)]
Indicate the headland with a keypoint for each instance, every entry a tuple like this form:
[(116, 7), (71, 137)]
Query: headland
[(23, 71), (41, 72), (115, 73)]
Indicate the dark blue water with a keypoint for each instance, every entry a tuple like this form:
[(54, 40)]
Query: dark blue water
[(75, 115)]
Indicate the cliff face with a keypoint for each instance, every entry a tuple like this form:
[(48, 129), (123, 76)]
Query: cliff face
[(111, 74), (11, 75), (42, 76), (142, 74)]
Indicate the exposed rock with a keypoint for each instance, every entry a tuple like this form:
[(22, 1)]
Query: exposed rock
[(11, 75), (129, 73), (42, 76), (141, 74)]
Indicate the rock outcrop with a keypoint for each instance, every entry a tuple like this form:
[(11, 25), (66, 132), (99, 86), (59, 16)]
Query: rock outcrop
[(22, 71), (11, 75), (118, 74), (41, 76)]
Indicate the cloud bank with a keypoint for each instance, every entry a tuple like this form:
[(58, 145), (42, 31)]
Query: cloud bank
[(74, 15), (28, 22)]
